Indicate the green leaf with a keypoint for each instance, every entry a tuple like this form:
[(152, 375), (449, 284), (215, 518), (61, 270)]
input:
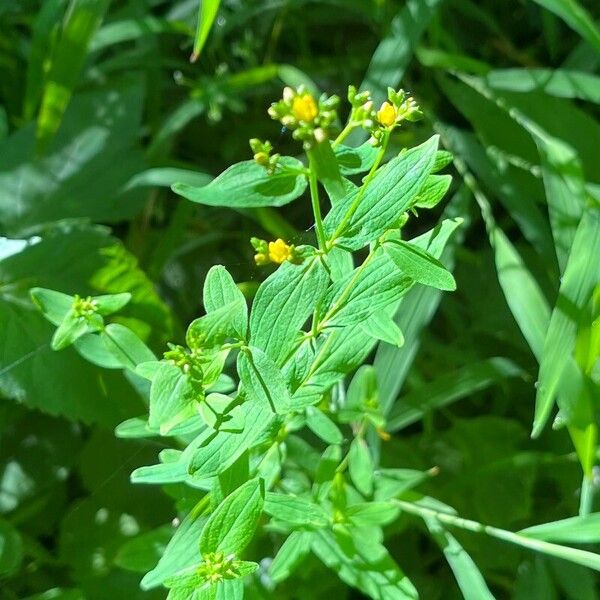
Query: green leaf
[(581, 276), (366, 514), (295, 511), (370, 288), (322, 426), (576, 17), (392, 191), (556, 82), (54, 305), (207, 13), (417, 308), (394, 52), (574, 530), (111, 303), (360, 466), (382, 327), (141, 553), (72, 327), (173, 396), (291, 553), (215, 453), (364, 564), (325, 162), (355, 160), (262, 380), (125, 346), (448, 388), (228, 321), (44, 30), (247, 185), (283, 304), (11, 549), (419, 265), (469, 579), (219, 289), (231, 526), (181, 551), (82, 21), (434, 189)]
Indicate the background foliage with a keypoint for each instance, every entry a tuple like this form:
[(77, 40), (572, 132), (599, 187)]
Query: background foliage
[(101, 111)]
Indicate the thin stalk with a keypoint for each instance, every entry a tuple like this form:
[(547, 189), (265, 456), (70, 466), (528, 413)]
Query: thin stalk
[(565, 552), (343, 134), (316, 206), (356, 202), (586, 500)]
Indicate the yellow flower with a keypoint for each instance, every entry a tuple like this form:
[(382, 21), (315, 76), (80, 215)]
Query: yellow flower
[(279, 251), (387, 114), (304, 108), (384, 435)]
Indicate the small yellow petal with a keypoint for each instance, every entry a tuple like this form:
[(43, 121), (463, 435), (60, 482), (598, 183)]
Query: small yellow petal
[(279, 251), (387, 114), (304, 108)]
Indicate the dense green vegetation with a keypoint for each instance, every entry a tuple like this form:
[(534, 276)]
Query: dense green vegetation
[(459, 460)]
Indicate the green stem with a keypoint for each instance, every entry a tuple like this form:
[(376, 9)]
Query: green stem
[(316, 206), (356, 202), (343, 134), (565, 552), (586, 501)]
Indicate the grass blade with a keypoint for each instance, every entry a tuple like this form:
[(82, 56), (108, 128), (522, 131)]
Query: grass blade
[(449, 388), (82, 20), (206, 15), (395, 51), (576, 17)]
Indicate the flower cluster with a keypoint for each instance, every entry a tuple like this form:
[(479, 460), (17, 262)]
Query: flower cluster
[(397, 108), (187, 361), (84, 307), (272, 252), (262, 154), (309, 120), (216, 567)]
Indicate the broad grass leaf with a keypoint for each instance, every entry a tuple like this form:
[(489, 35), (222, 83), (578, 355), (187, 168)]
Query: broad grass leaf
[(231, 526), (82, 20), (556, 82), (207, 13), (449, 388), (576, 17), (469, 578), (581, 276), (574, 530), (395, 51), (249, 185)]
